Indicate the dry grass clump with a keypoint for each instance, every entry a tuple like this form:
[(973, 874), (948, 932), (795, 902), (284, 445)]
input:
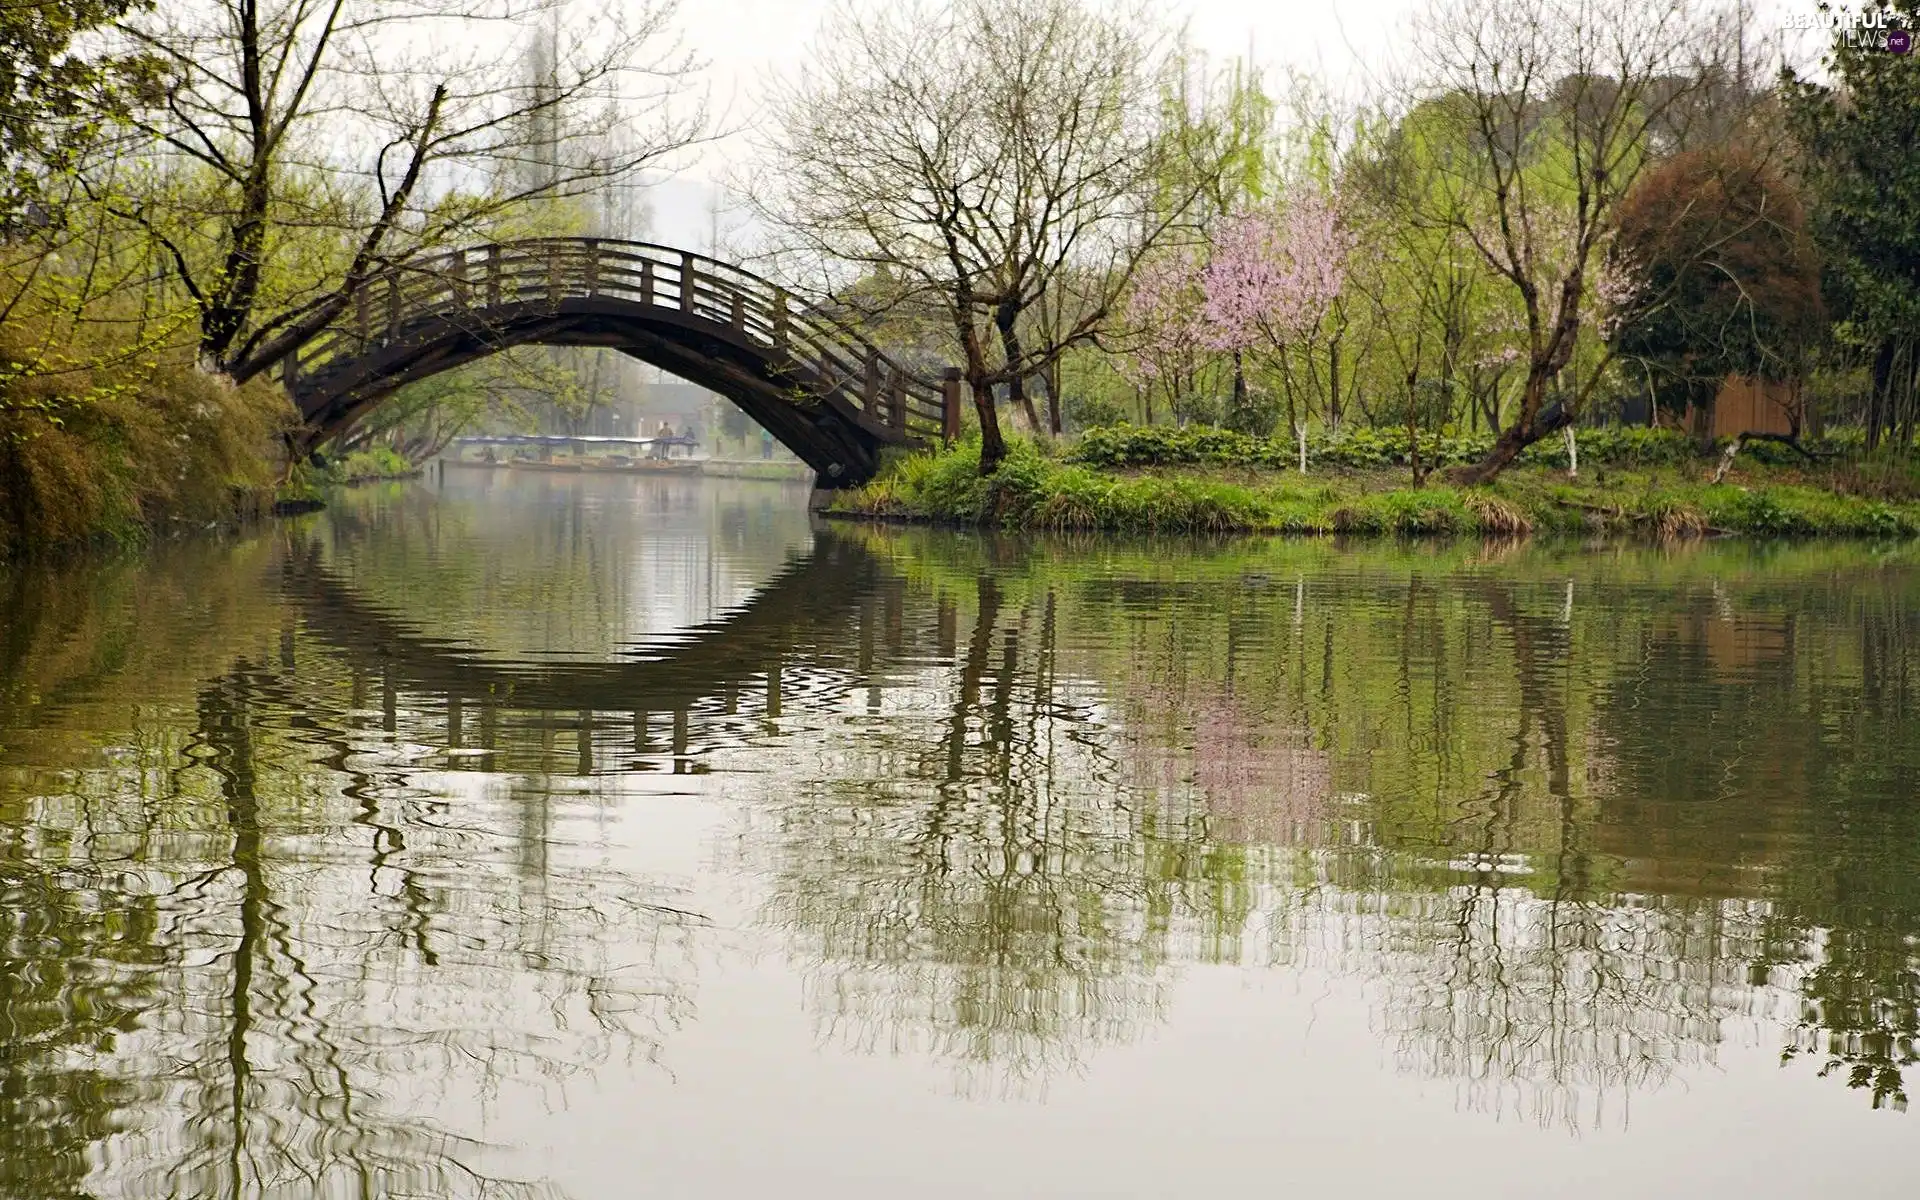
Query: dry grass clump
[(1674, 520), (1496, 517)]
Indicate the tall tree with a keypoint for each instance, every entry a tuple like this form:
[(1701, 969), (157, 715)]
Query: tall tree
[(1856, 129), (985, 154), (1548, 110), (1724, 275), (359, 122)]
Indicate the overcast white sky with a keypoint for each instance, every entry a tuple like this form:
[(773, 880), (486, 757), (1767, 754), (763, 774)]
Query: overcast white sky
[(744, 42)]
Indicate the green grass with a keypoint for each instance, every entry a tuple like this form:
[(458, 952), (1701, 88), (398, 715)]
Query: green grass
[(378, 462), (1034, 491)]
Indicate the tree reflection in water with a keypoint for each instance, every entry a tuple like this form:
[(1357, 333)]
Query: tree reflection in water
[(1461, 785), (246, 953)]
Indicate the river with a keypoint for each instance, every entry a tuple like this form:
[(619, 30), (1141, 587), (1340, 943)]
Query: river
[(526, 834)]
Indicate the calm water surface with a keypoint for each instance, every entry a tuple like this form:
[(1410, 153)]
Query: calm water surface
[(534, 836)]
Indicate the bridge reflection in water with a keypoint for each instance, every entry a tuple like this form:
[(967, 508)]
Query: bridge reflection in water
[(815, 632)]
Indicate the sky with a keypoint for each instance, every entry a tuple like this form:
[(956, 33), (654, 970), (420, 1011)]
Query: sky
[(747, 42), (744, 43)]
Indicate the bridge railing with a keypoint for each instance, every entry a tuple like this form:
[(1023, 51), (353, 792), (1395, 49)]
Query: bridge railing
[(481, 283)]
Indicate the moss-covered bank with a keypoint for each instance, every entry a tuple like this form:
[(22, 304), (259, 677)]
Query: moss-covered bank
[(1649, 490)]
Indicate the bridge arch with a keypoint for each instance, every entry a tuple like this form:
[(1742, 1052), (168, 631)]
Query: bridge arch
[(829, 396)]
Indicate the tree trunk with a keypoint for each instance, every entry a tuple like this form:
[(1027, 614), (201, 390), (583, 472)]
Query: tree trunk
[(1006, 318), (1333, 382), (1881, 390), (979, 378), (1528, 427), (993, 447), (1413, 426), (1053, 398), (1237, 405)]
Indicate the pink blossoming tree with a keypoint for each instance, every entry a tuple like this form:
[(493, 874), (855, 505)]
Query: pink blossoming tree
[(1171, 349), (1269, 285)]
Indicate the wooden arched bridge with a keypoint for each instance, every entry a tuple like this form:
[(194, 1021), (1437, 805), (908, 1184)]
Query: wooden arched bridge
[(828, 395)]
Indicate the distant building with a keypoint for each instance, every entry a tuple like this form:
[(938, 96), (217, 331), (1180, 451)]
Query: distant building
[(1743, 405)]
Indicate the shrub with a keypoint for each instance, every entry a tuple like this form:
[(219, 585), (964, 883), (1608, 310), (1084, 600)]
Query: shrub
[(105, 444)]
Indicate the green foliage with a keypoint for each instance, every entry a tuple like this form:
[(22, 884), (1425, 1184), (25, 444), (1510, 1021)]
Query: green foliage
[(376, 462), (54, 98), (1364, 448), (1169, 489), (100, 445), (1854, 130), (1084, 410)]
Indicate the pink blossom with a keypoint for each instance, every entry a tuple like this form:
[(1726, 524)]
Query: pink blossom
[(1616, 288), (1271, 279), (1166, 308)]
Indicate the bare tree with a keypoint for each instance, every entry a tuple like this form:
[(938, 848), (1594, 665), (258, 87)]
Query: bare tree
[(983, 155), (356, 134), (1546, 112)]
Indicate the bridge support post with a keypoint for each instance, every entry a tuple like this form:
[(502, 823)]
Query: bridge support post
[(493, 275), (950, 405), (457, 278), (688, 282), (870, 386)]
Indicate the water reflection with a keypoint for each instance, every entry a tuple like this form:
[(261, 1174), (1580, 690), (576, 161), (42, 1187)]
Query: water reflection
[(324, 866)]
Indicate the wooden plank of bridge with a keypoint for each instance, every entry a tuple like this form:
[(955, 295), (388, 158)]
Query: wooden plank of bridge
[(737, 316), (897, 402), (362, 315), (493, 275), (554, 283), (393, 307), (457, 278), (780, 332), (870, 386), (646, 281), (593, 267), (687, 283)]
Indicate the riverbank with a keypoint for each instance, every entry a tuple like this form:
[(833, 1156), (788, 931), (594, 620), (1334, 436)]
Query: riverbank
[(1636, 483), (102, 448), (711, 468)]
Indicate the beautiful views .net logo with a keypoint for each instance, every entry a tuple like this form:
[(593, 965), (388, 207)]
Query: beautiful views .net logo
[(1877, 28)]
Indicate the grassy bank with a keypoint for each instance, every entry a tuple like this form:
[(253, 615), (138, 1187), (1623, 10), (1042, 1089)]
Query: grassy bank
[(1648, 483), (101, 443)]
